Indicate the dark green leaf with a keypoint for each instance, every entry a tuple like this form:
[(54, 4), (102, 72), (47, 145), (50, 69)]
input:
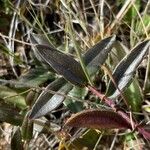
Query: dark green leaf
[(73, 105), (9, 114), (35, 77), (133, 96), (46, 102), (27, 128), (97, 119), (126, 68), (97, 54), (132, 13), (16, 140), (85, 140), (63, 64), (12, 97)]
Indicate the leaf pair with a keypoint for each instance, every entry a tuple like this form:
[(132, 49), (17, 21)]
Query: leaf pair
[(72, 71), (122, 75), (69, 68)]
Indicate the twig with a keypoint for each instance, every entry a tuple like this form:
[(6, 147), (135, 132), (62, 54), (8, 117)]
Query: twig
[(121, 13), (12, 33), (13, 39)]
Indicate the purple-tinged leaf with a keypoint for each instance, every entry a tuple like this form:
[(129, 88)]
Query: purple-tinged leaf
[(63, 64), (97, 54), (125, 70), (44, 104), (97, 119), (144, 132)]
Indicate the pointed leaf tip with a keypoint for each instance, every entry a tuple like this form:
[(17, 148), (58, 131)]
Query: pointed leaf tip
[(39, 39), (97, 119), (44, 104), (98, 53), (125, 70), (63, 64)]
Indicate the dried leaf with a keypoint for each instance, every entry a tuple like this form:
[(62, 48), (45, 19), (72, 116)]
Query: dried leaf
[(126, 68), (63, 64), (97, 119)]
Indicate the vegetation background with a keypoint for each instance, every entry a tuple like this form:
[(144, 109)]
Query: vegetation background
[(72, 26)]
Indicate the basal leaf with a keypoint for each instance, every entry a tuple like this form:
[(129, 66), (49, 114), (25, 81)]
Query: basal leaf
[(46, 102), (16, 140), (97, 54), (133, 96), (27, 128), (9, 114), (97, 119), (126, 68), (10, 96), (35, 77), (73, 105), (63, 64), (80, 142)]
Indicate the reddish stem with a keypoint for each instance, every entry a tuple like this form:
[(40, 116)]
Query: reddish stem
[(108, 101), (111, 103)]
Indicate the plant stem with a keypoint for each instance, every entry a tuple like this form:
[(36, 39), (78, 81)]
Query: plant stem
[(110, 103), (77, 49)]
